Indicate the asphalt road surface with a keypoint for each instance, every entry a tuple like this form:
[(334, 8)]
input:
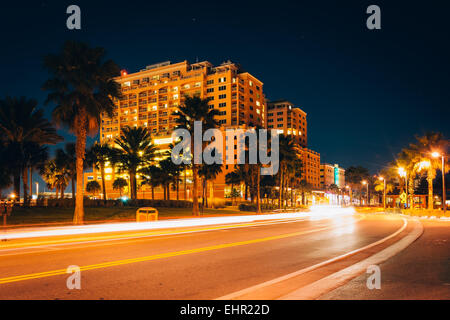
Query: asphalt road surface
[(214, 261)]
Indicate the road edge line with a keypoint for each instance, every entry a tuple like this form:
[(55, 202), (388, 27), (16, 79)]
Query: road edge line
[(335, 280), (311, 268)]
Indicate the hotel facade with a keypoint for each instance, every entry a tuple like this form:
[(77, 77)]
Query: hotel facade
[(152, 95), (291, 121), (331, 174)]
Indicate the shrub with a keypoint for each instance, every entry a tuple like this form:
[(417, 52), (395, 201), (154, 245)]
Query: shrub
[(247, 207)]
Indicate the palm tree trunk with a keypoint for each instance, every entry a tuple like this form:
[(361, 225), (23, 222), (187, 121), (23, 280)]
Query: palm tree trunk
[(31, 183), (280, 189), (178, 185), (16, 181), (80, 153), (153, 192), (211, 194), (25, 186), (168, 191), (204, 194), (185, 182), (194, 190), (102, 172), (133, 184), (430, 192), (246, 191), (258, 200)]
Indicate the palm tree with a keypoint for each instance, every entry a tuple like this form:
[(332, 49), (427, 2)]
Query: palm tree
[(99, 154), (195, 109), (83, 87), (232, 178), (5, 172), (354, 176), (93, 187), (136, 150), (242, 175), (55, 177), (379, 186), (34, 156), (152, 176), (304, 187), (120, 184), (65, 158), (22, 124), (288, 151), (209, 172), (420, 154), (334, 190), (170, 174)]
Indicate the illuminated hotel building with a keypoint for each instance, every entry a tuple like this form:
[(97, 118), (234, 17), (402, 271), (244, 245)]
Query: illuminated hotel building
[(311, 167), (291, 121), (288, 120), (331, 174), (152, 95)]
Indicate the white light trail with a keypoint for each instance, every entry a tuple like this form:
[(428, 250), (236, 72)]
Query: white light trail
[(316, 213)]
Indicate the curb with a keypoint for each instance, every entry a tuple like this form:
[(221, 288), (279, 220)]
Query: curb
[(333, 281)]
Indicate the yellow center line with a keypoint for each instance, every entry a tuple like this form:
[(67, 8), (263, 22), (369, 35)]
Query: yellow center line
[(161, 255)]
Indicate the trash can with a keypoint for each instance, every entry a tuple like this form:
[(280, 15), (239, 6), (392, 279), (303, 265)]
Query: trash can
[(146, 214)]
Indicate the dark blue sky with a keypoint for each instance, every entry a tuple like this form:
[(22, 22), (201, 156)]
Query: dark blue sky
[(367, 93)]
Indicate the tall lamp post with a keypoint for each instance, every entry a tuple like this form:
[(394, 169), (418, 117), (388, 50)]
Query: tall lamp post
[(437, 155), (364, 182)]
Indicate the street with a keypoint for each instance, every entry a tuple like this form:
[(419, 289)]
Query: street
[(226, 261)]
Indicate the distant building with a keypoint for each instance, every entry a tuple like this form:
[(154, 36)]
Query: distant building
[(331, 174), (289, 120), (311, 167)]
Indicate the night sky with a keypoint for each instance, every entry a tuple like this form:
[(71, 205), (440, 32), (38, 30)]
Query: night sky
[(366, 93)]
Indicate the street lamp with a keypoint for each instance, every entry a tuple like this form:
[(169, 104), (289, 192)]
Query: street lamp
[(384, 191), (402, 173), (364, 182), (437, 155)]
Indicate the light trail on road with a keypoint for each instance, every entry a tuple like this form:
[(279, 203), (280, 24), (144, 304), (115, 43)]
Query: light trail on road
[(315, 213)]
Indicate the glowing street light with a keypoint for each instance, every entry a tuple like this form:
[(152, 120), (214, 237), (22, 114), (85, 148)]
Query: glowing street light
[(364, 182), (436, 154), (402, 173)]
